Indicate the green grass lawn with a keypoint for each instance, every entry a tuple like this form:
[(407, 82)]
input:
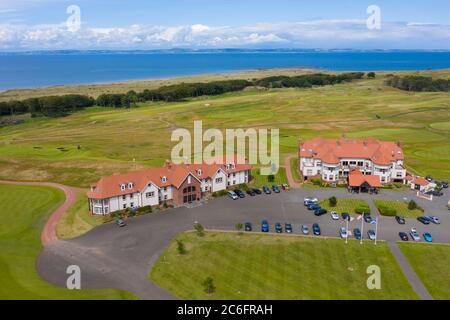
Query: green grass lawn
[(260, 180), (401, 207), (344, 205), (295, 169), (77, 220), (25, 210), (431, 263), (254, 266)]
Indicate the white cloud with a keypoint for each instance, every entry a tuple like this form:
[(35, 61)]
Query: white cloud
[(312, 34)]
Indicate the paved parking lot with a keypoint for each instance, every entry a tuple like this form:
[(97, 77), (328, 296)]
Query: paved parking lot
[(110, 257)]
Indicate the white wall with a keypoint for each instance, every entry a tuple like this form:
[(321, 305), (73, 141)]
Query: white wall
[(216, 187)]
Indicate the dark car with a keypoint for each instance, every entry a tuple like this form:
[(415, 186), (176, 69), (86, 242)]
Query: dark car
[(278, 228), (288, 228), (257, 191), (368, 218), (424, 220), (265, 227), (320, 212), (444, 184), (276, 188), (120, 223), (267, 190), (400, 220), (248, 227), (403, 236), (239, 193), (251, 193), (357, 233), (314, 207), (316, 229), (346, 217)]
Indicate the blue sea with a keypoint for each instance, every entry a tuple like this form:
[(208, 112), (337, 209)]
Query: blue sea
[(32, 70)]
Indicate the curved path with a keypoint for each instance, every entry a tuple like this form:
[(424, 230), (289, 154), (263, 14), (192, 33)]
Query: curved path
[(287, 165), (112, 257), (48, 235)]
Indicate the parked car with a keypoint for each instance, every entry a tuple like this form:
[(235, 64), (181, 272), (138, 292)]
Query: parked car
[(265, 226), (313, 207), (120, 223), (276, 189), (316, 229), (278, 228), (233, 195), (368, 218), (288, 228), (372, 235), (424, 220), (357, 234), (248, 227), (445, 184), (343, 233), (428, 237), (251, 193), (305, 229), (401, 220), (307, 201), (414, 234), (434, 220), (257, 191), (320, 212), (346, 217), (285, 187), (267, 190), (334, 215), (403, 236), (239, 193)]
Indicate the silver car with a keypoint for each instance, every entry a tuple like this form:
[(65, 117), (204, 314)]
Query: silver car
[(372, 235), (344, 233), (415, 235), (305, 229), (335, 216), (435, 220)]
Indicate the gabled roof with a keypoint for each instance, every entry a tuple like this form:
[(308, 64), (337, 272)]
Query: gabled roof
[(358, 179), (174, 176), (333, 150)]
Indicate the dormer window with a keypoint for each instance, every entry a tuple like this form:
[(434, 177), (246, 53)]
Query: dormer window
[(199, 172), (130, 185), (163, 179), (122, 187)]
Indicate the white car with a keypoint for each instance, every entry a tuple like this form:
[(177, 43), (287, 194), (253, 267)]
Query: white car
[(435, 220), (414, 234), (310, 200), (335, 215), (344, 233), (233, 195), (305, 230), (372, 235)]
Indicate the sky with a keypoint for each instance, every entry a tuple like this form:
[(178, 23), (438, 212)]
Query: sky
[(157, 24)]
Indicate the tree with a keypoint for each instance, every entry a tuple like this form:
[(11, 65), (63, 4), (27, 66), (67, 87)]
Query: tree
[(181, 247), (412, 205), (200, 230), (208, 286), (371, 75), (333, 202), (239, 227)]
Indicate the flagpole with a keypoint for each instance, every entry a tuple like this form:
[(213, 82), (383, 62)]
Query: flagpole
[(376, 232), (346, 238), (362, 229)]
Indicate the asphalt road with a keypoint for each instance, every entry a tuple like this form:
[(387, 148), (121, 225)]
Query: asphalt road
[(112, 257)]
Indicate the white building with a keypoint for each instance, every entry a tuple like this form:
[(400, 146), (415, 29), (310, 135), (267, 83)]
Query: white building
[(332, 160)]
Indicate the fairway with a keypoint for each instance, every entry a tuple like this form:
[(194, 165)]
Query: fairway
[(431, 263), (262, 267), (22, 222), (110, 139)]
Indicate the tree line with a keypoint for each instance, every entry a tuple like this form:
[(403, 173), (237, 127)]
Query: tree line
[(418, 83), (56, 106)]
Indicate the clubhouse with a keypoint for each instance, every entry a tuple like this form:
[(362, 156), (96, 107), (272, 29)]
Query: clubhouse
[(176, 184), (365, 163)]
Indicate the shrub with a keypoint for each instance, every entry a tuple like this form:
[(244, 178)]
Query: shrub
[(412, 205), (208, 286), (219, 194), (333, 201), (363, 209), (144, 210), (387, 211), (239, 227), (181, 247), (200, 230)]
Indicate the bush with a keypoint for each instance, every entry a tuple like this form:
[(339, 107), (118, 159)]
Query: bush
[(219, 194), (181, 247), (208, 286), (387, 211), (363, 209), (333, 201), (412, 205), (144, 210), (200, 230)]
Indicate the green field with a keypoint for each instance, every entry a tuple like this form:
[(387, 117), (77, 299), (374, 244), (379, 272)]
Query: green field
[(110, 139), (401, 207), (344, 205), (261, 267), (22, 222), (260, 180), (431, 263)]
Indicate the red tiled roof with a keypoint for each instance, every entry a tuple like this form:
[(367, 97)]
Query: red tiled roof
[(420, 181), (357, 179), (175, 175), (332, 150)]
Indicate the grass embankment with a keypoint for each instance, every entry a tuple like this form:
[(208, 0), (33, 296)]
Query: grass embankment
[(400, 207), (25, 210), (260, 180), (431, 263), (253, 266), (111, 139), (295, 169), (346, 205)]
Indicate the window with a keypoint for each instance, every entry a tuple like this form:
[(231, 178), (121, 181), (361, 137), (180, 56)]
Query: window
[(150, 194), (131, 196), (124, 197), (189, 180), (132, 205), (164, 179), (360, 164), (199, 172), (130, 185), (165, 189), (345, 163), (124, 206), (219, 180), (165, 197), (122, 187), (353, 163)]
